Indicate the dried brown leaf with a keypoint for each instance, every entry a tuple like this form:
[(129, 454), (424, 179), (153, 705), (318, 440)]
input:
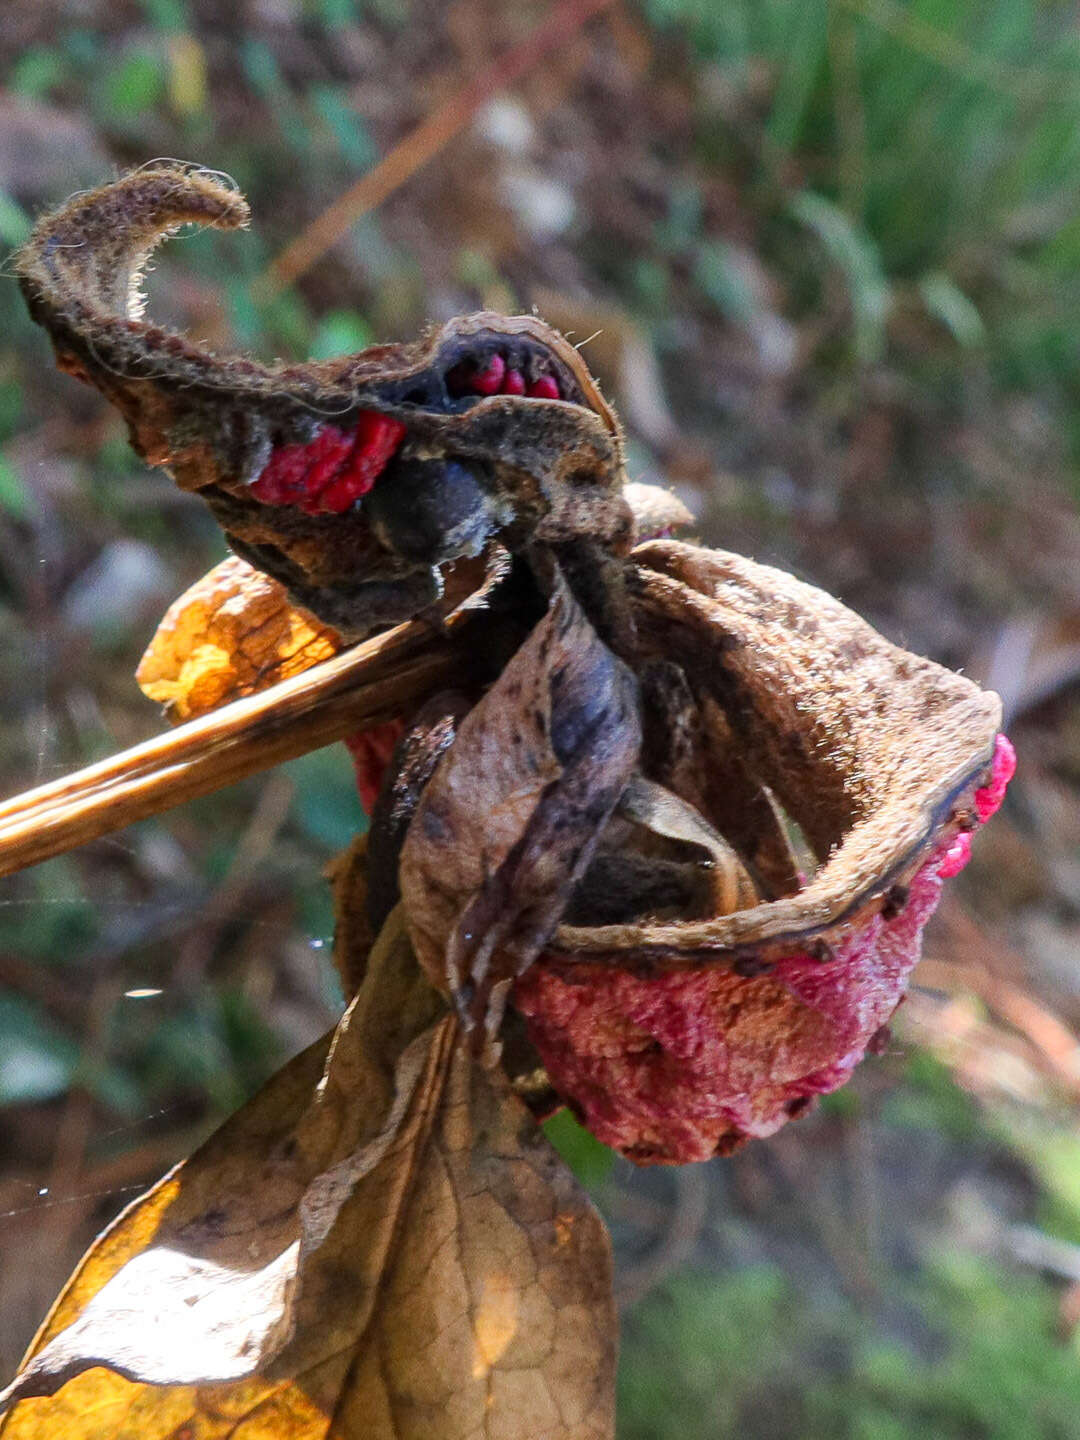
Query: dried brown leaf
[(512, 815), (380, 1245)]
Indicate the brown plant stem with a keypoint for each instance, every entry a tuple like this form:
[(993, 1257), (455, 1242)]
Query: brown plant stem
[(422, 144), (361, 687)]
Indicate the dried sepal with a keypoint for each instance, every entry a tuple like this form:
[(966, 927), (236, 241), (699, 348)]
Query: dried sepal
[(380, 1245), (680, 1038), (353, 480), (514, 809)]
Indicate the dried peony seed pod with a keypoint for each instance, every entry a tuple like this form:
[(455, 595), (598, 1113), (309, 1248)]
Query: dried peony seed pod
[(355, 481), (663, 854), (675, 1041)]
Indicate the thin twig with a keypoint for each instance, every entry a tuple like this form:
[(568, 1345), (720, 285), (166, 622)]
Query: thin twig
[(423, 144), (231, 895), (76, 1122), (677, 1243), (1058, 1049), (361, 687)]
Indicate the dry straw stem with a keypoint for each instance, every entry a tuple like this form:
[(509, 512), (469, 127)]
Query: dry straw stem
[(361, 687), (423, 144)]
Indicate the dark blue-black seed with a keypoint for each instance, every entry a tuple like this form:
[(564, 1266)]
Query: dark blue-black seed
[(430, 510)]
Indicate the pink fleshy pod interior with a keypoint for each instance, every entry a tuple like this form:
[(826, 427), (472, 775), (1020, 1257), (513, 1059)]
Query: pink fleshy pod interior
[(687, 1065)]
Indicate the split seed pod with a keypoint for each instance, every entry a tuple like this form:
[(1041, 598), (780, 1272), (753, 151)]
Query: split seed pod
[(354, 481), (681, 1039)]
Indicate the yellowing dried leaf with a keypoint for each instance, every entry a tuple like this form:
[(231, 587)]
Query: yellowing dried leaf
[(380, 1245), (232, 633)]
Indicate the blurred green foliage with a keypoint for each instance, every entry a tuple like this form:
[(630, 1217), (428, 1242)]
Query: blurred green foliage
[(973, 1358), (590, 1161), (933, 151)]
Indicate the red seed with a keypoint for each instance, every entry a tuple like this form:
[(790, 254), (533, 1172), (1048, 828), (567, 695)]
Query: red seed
[(545, 387), (514, 384), (334, 469), (377, 437), (488, 380), (328, 455), (285, 478)]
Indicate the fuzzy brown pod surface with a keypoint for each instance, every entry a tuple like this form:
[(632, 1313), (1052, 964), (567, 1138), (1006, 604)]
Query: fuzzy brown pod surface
[(664, 856)]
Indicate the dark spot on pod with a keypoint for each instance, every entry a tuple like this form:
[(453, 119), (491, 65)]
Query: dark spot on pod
[(428, 511), (464, 996), (896, 898), (750, 966), (575, 1110), (821, 951), (729, 1143), (800, 1105), (643, 967), (645, 1154), (435, 827)]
